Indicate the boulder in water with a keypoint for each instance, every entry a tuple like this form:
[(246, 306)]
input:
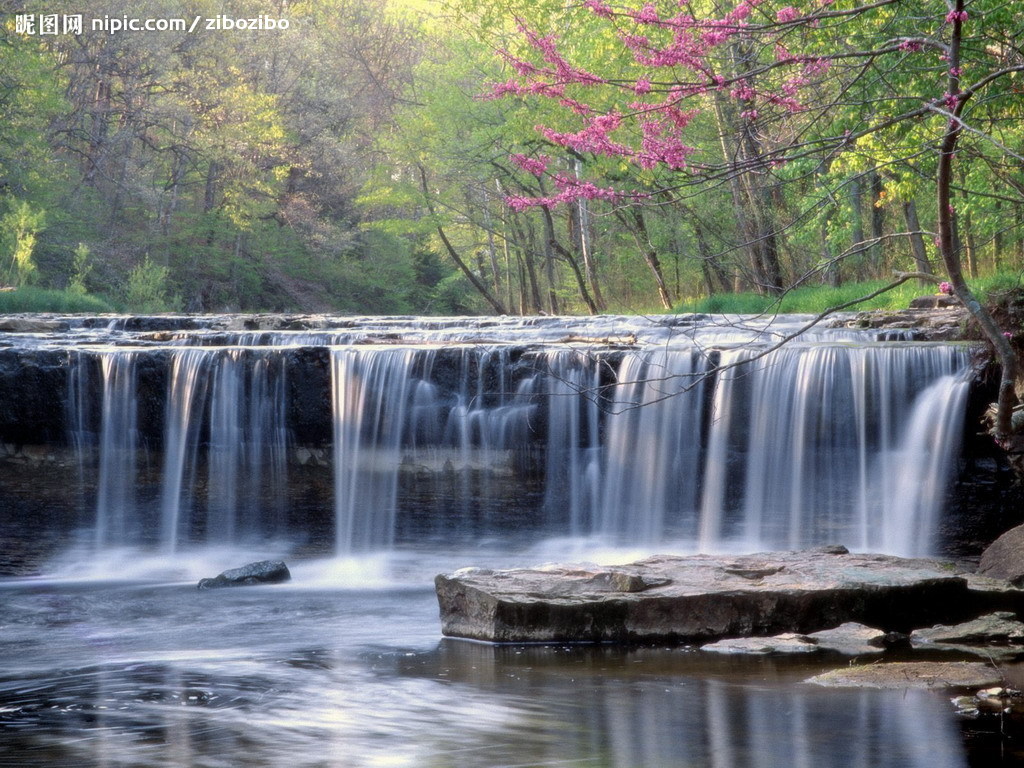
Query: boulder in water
[(1000, 628), (1004, 558), (263, 572), (701, 598), (787, 643)]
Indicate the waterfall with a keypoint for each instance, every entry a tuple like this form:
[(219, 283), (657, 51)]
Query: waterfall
[(185, 397), (247, 464), (571, 387), (116, 514), (370, 400), (222, 428), (654, 449), (693, 440)]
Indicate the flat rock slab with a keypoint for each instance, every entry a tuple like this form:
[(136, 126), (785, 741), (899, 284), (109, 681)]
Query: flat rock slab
[(912, 674), (999, 628), (700, 598)]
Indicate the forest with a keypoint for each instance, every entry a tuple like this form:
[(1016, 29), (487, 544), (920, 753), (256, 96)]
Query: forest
[(506, 156)]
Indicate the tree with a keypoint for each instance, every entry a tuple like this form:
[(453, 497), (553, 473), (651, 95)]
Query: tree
[(899, 77), (19, 230)]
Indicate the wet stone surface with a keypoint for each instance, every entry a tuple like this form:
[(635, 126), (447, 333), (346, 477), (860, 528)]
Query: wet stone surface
[(702, 598)]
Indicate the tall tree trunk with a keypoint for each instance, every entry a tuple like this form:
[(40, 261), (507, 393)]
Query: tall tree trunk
[(964, 232), (549, 257), (857, 222), (917, 246), (1018, 215), (877, 225), (463, 267), (581, 283), (531, 268), (832, 276), (586, 246), (747, 227), (997, 239), (638, 229), (709, 264), (491, 247), (971, 245)]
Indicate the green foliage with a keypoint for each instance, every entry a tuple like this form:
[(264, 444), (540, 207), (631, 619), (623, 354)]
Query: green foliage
[(312, 169), (19, 230), (148, 289), (80, 269), (814, 299), (729, 304), (34, 299)]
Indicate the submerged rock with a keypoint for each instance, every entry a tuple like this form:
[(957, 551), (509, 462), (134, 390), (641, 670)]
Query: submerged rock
[(1000, 628), (996, 636), (701, 598), (263, 572), (785, 643), (849, 639), (911, 674)]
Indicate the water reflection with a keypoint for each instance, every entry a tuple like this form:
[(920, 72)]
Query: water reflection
[(122, 675), (655, 707)]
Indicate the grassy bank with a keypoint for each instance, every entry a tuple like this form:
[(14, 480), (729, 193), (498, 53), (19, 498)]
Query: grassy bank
[(30, 299), (813, 299)]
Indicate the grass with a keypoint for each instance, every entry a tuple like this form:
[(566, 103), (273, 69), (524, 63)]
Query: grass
[(31, 299), (813, 299)]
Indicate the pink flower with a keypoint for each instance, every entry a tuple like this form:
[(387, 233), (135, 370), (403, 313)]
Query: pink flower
[(945, 288), (598, 8), (535, 165), (743, 92), (787, 14), (643, 85), (817, 67), (647, 15), (954, 16)]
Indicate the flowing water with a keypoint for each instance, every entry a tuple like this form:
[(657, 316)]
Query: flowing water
[(373, 453)]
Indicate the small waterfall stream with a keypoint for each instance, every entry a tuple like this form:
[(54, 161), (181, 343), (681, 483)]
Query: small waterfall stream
[(696, 437)]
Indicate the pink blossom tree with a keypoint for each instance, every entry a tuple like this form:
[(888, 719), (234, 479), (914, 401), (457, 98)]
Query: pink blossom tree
[(784, 86)]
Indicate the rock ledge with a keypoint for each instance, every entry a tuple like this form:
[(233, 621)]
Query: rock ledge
[(702, 598)]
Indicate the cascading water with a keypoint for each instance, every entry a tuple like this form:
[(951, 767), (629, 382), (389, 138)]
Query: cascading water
[(221, 433), (654, 456), (675, 433), (118, 447), (800, 445), (370, 402)]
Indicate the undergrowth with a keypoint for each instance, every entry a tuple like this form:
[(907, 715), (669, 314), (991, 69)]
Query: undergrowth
[(32, 299), (814, 299)]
